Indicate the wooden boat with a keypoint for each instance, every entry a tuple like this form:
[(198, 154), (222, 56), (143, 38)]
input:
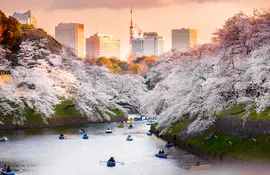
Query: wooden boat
[(201, 167), (120, 126)]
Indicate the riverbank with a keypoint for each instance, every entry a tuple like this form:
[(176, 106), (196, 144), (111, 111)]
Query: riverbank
[(65, 114), (216, 145)]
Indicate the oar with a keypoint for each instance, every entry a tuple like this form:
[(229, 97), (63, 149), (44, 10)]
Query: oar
[(107, 162), (120, 163)]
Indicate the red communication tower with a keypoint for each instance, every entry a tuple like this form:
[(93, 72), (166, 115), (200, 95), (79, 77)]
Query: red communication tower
[(131, 33)]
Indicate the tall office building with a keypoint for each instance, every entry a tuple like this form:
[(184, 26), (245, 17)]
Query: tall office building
[(26, 18), (100, 45), (151, 44), (184, 39), (71, 34)]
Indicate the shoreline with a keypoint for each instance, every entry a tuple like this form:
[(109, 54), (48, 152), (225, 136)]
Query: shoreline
[(59, 122), (204, 154)]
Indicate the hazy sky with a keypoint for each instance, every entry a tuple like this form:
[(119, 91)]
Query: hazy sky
[(112, 16)]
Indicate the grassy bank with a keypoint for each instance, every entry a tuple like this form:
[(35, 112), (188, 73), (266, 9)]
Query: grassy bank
[(257, 148), (219, 144), (66, 109)]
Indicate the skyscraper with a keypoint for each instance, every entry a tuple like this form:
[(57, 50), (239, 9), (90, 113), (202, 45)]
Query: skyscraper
[(100, 45), (183, 39), (151, 44), (71, 34), (26, 18)]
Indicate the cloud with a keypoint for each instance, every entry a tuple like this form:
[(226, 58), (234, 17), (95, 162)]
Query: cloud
[(118, 4)]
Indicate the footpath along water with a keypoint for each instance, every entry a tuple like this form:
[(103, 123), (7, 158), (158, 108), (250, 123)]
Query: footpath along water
[(40, 152)]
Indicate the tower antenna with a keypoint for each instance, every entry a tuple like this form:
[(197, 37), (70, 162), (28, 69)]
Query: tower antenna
[(131, 33)]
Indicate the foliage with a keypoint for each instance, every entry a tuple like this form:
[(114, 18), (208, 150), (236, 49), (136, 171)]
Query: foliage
[(43, 80), (10, 31), (219, 144), (66, 109), (237, 110), (32, 34), (153, 126), (27, 26), (225, 77), (265, 115), (177, 127), (103, 61), (134, 68)]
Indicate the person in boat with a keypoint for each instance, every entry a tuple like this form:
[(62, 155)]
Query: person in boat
[(168, 143), (187, 163), (5, 168), (150, 131), (198, 163), (82, 130), (8, 169), (61, 135), (130, 126), (4, 138), (161, 151), (85, 135), (111, 159), (129, 136)]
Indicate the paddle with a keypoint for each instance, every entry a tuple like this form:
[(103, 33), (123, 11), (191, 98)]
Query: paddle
[(107, 162)]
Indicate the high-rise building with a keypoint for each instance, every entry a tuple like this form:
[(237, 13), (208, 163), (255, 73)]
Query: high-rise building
[(72, 35), (151, 44), (26, 18), (184, 39), (100, 45)]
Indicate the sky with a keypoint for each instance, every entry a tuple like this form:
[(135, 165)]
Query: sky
[(112, 16)]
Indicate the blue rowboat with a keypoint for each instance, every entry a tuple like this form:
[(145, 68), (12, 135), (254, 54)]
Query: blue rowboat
[(168, 145), (85, 137), (111, 164), (161, 155), (4, 140), (149, 133), (129, 139), (6, 173)]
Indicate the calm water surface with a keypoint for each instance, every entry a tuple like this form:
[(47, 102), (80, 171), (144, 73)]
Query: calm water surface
[(39, 152)]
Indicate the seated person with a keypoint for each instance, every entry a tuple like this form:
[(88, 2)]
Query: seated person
[(85, 135), (8, 169), (111, 160), (62, 135), (5, 168), (198, 163)]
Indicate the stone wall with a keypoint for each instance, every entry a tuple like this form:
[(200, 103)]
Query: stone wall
[(243, 129)]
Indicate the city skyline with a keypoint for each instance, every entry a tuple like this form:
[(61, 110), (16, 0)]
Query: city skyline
[(113, 20)]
